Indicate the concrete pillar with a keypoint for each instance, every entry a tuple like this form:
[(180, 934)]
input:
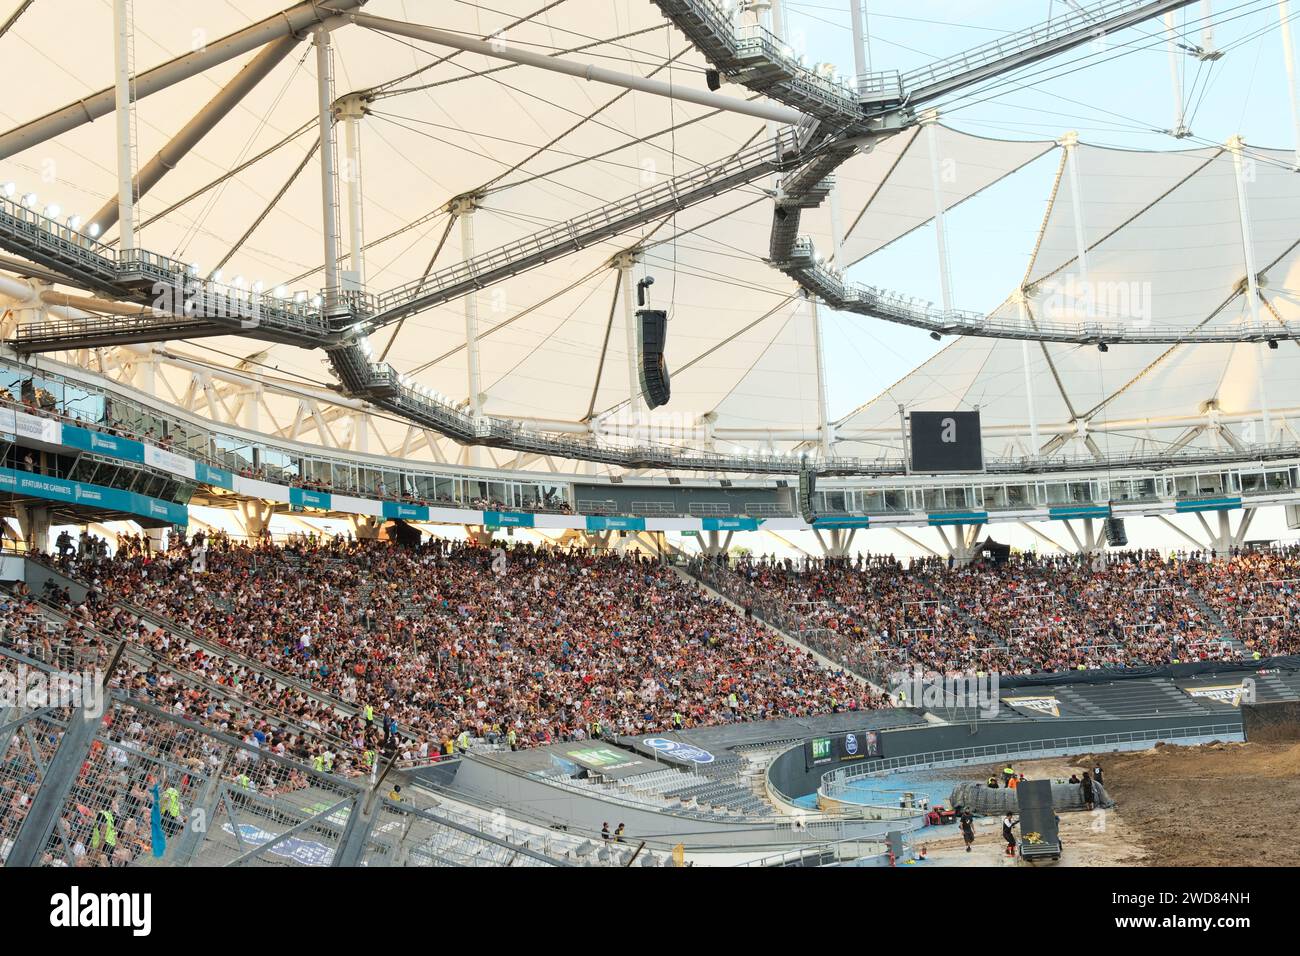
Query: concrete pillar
[(255, 517), (479, 535), (34, 526), (365, 527)]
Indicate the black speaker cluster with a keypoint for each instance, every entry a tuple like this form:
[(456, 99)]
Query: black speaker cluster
[(1116, 536), (807, 489), (652, 331)]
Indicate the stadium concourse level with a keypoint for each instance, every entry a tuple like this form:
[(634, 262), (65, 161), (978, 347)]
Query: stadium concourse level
[(1031, 614), (517, 646), (41, 403)]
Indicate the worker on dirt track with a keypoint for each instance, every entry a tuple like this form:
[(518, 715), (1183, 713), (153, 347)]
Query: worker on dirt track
[(1008, 832), (967, 828)]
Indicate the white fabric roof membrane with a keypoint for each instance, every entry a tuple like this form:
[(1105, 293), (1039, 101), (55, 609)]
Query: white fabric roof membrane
[(1164, 245), (740, 343)]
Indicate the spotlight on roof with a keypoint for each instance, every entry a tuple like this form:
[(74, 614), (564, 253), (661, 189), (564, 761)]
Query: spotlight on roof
[(9, 189), (1103, 347), (52, 211), (74, 223), (29, 200), (1272, 343), (93, 230)]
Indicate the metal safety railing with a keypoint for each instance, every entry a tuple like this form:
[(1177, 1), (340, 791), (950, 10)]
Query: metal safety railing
[(836, 784)]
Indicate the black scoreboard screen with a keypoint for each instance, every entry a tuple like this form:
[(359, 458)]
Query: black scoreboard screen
[(946, 442)]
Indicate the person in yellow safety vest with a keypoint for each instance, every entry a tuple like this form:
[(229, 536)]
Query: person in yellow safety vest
[(462, 742), (395, 794), (318, 763), (596, 731), (448, 748), (370, 758), (110, 831), (1007, 773), (677, 720), (370, 714), (244, 782), (511, 738), (328, 759), (171, 803)]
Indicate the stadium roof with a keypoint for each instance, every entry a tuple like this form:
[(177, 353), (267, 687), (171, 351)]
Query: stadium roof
[(536, 148)]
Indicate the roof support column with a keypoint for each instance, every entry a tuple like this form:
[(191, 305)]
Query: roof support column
[(1236, 145), (930, 120), (1031, 405), (823, 423), (1207, 28), (861, 54), (328, 173), (1180, 129), (351, 109), (625, 263), (124, 66), (463, 207), (1070, 142), (1288, 54)]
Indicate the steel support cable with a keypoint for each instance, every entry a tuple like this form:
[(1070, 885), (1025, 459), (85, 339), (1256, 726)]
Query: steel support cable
[(1020, 80), (188, 235), (514, 318), (266, 211), (383, 88), (514, 66), (604, 349), (713, 348), (242, 167), (397, 329), (416, 223), (1138, 214), (544, 339)]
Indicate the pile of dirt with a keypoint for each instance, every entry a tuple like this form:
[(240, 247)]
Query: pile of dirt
[(1220, 804)]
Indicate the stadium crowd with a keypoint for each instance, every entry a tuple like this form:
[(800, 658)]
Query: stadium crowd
[(334, 652), (524, 646), (1025, 615)]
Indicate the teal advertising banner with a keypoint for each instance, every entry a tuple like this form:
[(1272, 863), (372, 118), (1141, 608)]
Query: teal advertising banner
[(507, 519), (302, 498), (216, 477), (596, 523), (730, 524), (92, 496), (394, 509), (99, 443)]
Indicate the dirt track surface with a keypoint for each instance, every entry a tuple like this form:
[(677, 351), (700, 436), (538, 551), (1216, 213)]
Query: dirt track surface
[(1215, 805), (1226, 804)]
